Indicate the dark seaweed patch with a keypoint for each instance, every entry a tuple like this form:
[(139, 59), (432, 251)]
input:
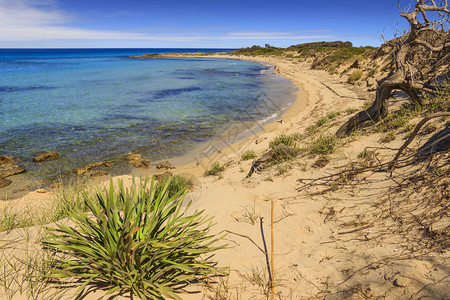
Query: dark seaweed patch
[(174, 92), (11, 89)]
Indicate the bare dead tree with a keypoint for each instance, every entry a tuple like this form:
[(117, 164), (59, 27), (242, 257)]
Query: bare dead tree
[(422, 59)]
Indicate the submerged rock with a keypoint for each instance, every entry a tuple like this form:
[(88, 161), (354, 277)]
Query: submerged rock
[(98, 173), (4, 183), (88, 167), (9, 169), (7, 160), (46, 156), (165, 165), (142, 163), (131, 157), (137, 161), (55, 185)]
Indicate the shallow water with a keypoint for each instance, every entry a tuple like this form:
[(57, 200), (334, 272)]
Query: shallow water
[(99, 104)]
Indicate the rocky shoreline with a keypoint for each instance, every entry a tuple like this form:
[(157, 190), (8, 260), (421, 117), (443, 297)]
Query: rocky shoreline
[(13, 186)]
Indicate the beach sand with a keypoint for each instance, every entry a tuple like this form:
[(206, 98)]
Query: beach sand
[(320, 251)]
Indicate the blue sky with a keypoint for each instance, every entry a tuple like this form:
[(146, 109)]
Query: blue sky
[(193, 24)]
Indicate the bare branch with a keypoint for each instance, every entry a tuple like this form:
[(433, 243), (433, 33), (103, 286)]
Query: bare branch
[(413, 135), (428, 45)]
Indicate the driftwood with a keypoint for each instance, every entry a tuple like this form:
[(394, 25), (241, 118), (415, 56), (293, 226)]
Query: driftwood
[(421, 61)]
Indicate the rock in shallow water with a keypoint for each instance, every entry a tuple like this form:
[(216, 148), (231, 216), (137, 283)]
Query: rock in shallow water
[(88, 167), (9, 169), (142, 163), (4, 183), (131, 157), (7, 160), (46, 156), (137, 161), (98, 173), (165, 165)]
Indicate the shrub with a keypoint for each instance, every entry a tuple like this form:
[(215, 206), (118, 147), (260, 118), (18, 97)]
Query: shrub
[(429, 128), (282, 170), (355, 76), (408, 127), (10, 218), (283, 153), (321, 121), (333, 115), (351, 110), (388, 138), (367, 104), (258, 50), (311, 129), (440, 101), (323, 145), (249, 154), (136, 241), (175, 183), (394, 121), (367, 155), (288, 140), (321, 162), (296, 136), (216, 169)]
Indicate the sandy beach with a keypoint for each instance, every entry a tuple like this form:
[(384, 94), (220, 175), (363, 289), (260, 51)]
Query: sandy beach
[(328, 243)]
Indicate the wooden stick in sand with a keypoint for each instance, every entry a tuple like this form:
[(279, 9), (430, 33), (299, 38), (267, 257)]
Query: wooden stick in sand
[(272, 285)]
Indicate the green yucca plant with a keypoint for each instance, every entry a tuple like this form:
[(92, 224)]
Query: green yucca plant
[(136, 241)]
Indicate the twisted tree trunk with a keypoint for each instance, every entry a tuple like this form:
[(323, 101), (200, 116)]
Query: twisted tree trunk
[(428, 38)]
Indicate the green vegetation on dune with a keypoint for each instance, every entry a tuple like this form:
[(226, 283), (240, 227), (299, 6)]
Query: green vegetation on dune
[(338, 49), (137, 240), (260, 51), (326, 55), (215, 169), (249, 154), (355, 76), (288, 140), (175, 184)]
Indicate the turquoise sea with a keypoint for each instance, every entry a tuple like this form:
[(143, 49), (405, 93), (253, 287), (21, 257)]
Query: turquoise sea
[(100, 104)]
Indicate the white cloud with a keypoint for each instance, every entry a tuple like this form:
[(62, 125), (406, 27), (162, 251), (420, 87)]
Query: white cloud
[(22, 14), (271, 36), (41, 20), (280, 34), (20, 20)]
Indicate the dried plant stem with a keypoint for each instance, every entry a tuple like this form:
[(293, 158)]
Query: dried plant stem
[(266, 253), (247, 237)]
